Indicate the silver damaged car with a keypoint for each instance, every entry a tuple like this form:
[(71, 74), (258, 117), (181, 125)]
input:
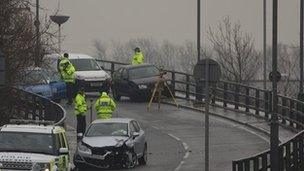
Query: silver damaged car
[(112, 143)]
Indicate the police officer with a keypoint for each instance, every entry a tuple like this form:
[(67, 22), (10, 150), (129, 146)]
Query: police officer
[(104, 106), (80, 111), (67, 72), (138, 57)]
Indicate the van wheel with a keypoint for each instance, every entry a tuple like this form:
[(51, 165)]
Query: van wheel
[(116, 96), (144, 159)]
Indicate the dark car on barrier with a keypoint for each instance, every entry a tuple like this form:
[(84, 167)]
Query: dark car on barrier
[(111, 143), (136, 81)]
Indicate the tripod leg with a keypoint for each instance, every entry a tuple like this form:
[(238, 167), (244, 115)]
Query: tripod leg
[(158, 98), (152, 97), (171, 94)]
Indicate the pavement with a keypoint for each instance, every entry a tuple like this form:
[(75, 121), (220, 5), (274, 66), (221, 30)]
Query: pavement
[(176, 136)]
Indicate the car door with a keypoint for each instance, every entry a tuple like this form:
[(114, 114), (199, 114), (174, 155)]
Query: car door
[(139, 140), (124, 85)]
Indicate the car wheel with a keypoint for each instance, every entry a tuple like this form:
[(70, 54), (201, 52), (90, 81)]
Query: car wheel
[(144, 159), (116, 96), (131, 160)]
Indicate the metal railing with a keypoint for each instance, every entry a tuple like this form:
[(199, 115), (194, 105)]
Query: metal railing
[(243, 98), (20, 104)]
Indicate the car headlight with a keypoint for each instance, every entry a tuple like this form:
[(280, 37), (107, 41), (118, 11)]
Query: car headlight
[(41, 167), (142, 86), (84, 149), (120, 143), (79, 77)]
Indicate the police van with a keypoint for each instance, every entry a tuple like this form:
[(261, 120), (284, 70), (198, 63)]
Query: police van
[(33, 146)]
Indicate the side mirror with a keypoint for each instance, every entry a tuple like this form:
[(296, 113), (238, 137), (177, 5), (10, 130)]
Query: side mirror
[(79, 136), (135, 134), (63, 151)]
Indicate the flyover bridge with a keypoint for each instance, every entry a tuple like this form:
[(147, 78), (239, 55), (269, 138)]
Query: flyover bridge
[(175, 136)]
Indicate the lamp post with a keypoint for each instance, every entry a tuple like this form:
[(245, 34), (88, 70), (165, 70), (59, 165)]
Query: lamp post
[(301, 95), (264, 45), (274, 128), (59, 19), (198, 30), (37, 25), (2, 70)]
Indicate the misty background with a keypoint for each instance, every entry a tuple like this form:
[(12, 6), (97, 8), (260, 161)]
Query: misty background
[(170, 20)]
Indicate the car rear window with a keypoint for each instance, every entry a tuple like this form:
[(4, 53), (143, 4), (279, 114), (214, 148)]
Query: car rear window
[(85, 64), (143, 72)]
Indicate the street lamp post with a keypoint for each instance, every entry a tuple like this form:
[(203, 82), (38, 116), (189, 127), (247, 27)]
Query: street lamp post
[(274, 128), (198, 30), (37, 25), (59, 19), (264, 45), (301, 95)]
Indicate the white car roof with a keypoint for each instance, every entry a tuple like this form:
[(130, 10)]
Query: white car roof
[(29, 128), (71, 56)]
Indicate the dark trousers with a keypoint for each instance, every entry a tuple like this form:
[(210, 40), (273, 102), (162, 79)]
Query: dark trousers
[(81, 124), (70, 91)]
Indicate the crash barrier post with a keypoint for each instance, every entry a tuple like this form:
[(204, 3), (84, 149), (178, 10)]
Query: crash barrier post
[(291, 157), (20, 104), (253, 101)]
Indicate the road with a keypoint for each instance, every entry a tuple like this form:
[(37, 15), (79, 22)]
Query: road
[(176, 137)]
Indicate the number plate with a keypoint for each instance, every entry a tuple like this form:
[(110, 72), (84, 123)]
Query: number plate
[(98, 84)]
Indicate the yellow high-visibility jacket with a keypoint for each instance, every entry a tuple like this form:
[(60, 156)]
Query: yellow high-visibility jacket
[(138, 58), (80, 105), (105, 106), (67, 71)]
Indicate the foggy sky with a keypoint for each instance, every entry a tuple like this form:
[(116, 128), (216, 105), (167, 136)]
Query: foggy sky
[(173, 20)]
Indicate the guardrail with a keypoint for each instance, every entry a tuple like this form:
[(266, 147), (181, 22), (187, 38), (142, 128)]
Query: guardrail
[(20, 104), (243, 98)]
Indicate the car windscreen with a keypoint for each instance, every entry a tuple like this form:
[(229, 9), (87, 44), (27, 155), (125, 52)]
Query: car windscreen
[(26, 142), (85, 64), (143, 72), (33, 77), (107, 129)]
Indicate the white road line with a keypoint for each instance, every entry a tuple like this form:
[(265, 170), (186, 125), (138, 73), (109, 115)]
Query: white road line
[(243, 127), (179, 166), (173, 136), (186, 155), (185, 146), (265, 139), (155, 127)]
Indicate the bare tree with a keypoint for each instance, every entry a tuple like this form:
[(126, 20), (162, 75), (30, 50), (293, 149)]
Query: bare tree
[(18, 37), (235, 51)]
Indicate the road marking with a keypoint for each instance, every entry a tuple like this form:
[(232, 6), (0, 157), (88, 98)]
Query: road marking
[(155, 127), (243, 127), (179, 166), (173, 136), (252, 132), (185, 146), (186, 155)]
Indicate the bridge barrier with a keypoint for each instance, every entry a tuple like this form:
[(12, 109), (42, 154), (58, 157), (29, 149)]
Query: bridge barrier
[(20, 104), (244, 98)]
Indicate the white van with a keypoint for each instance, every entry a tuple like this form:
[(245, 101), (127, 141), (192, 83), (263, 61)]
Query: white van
[(89, 74), (34, 147)]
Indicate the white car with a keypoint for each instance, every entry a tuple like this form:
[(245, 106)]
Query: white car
[(89, 74), (33, 147)]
